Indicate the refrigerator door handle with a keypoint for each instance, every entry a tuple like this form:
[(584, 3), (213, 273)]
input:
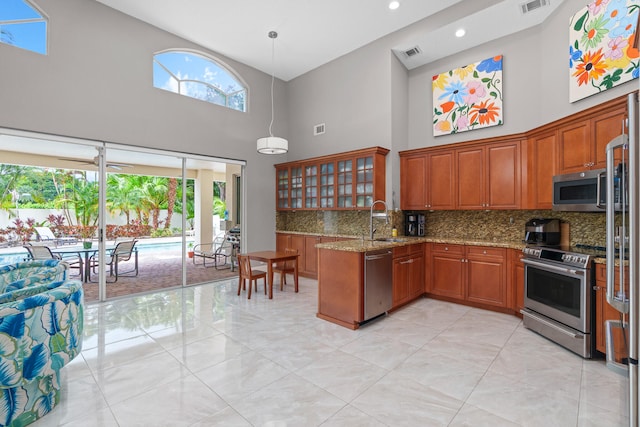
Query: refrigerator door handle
[(612, 364), (619, 301)]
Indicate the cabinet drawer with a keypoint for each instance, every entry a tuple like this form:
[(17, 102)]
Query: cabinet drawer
[(447, 248), (481, 251), (406, 250)]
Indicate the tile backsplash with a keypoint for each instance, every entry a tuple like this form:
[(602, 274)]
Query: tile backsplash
[(585, 228)]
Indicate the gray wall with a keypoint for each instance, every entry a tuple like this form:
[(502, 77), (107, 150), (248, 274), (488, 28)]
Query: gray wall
[(96, 83), (535, 81), (359, 95)]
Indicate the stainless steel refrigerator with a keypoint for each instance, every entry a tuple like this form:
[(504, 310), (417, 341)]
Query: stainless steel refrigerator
[(623, 252)]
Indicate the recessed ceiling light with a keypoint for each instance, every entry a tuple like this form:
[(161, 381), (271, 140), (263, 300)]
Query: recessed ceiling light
[(460, 33), (393, 5)]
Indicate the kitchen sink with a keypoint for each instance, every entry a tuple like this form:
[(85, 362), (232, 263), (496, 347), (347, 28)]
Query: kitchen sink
[(390, 239)]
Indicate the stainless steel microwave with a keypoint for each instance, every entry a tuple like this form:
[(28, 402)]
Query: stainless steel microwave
[(584, 191)]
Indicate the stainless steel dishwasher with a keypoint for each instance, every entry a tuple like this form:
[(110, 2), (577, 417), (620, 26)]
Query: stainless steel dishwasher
[(378, 283)]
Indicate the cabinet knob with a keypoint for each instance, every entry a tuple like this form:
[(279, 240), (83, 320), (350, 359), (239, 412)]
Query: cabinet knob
[(446, 248)]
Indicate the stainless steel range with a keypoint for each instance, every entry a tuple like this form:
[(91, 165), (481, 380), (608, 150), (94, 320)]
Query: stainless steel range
[(559, 297)]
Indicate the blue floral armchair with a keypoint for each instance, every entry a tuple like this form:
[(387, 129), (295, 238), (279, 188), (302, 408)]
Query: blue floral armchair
[(39, 334)]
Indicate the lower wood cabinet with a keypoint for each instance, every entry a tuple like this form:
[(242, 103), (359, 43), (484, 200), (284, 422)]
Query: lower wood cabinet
[(604, 311), (305, 244), (447, 270), (341, 287), (473, 274), (408, 273)]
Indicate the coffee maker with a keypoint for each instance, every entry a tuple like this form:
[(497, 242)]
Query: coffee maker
[(414, 224), (542, 232)]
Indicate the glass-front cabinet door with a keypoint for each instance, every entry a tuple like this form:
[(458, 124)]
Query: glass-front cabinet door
[(327, 182), (283, 188), (311, 186), (296, 187), (364, 181), (345, 183), (350, 180)]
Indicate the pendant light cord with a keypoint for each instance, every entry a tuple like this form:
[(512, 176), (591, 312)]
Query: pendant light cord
[(273, 36)]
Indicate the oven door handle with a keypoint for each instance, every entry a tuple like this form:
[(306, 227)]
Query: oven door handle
[(526, 312), (546, 266)]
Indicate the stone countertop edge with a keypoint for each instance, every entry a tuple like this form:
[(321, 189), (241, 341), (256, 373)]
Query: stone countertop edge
[(358, 245)]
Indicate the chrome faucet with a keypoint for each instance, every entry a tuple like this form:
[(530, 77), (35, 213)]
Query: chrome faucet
[(371, 215)]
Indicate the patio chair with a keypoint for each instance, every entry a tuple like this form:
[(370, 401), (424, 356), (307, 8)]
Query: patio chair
[(121, 253), (37, 252), (220, 251), (46, 235)]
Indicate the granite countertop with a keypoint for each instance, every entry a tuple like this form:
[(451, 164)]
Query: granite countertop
[(364, 245)]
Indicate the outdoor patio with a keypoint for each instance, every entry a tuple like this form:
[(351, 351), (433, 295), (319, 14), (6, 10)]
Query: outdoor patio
[(159, 268)]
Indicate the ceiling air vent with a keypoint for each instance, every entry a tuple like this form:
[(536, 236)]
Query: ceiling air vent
[(411, 52), (318, 129), (533, 5)]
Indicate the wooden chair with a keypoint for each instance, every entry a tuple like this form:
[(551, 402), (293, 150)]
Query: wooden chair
[(246, 273), (287, 267)]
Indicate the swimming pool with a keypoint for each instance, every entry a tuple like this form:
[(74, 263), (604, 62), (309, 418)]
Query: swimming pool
[(147, 247)]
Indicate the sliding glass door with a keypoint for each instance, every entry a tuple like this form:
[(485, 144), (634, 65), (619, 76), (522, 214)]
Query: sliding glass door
[(127, 219)]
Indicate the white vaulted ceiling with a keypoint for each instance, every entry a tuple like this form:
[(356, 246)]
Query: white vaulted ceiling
[(314, 32)]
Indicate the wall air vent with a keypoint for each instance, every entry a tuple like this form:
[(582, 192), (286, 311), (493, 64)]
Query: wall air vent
[(318, 129), (411, 52), (533, 5)]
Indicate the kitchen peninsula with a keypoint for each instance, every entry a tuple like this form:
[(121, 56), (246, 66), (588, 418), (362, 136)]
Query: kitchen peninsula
[(466, 271)]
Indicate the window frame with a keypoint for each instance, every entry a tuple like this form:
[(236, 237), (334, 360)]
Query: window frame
[(43, 18), (215, 61)]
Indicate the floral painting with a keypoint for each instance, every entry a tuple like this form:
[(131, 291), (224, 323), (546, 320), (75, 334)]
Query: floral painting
[(601, 55), (468, 98)]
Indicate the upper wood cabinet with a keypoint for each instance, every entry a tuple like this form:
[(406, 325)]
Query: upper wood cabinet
[(581, 144), (542, 166), (348, 180), (489, 176), (428, 181), (513, 171), (478, 176)]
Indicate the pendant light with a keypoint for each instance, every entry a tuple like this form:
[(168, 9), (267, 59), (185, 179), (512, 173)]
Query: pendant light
[(272, 144)]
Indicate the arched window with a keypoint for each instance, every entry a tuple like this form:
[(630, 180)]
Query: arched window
[(23, 26), (199, 77)]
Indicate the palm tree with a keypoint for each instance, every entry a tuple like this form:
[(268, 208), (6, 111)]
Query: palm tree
[(123, 194), (171, 200), (82, 195), (154, 196)]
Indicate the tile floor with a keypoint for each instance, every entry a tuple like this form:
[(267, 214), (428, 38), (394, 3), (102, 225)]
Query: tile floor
[(203, 356)]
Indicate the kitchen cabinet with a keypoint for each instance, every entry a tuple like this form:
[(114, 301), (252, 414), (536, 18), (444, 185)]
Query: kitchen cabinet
[(289, 187), (486, 275), (408, 273), (297, 242), (428, 181), (542, 165), (447, 270), (489, 176), (604, 311), (311, 254), (306, 246), (581, 144), (348, 180), (473, 274), (341, 287)]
